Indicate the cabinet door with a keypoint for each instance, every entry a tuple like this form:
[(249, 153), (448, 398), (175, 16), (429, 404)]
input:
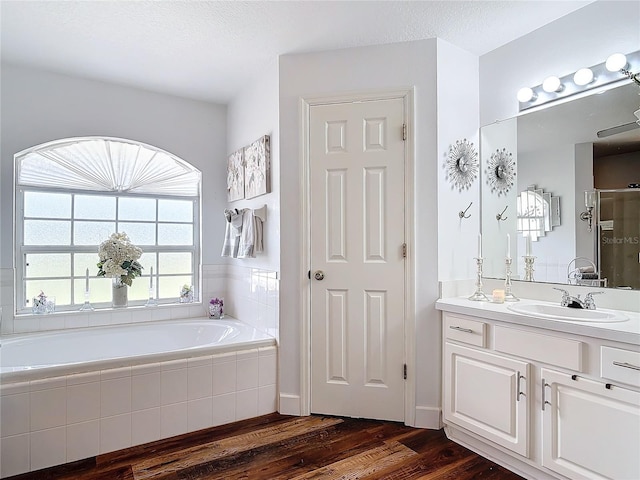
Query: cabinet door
[(487, 394), (590, 431)]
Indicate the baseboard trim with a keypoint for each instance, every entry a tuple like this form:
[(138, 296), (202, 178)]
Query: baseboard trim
[(428, 417), (289, 404)]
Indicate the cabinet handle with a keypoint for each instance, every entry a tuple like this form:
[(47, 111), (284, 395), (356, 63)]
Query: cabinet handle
[(544, 384), (518, 392), (466, 330), (626, 365)]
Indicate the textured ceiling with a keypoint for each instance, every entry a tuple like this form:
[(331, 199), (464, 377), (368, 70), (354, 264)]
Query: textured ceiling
[(209, 50)]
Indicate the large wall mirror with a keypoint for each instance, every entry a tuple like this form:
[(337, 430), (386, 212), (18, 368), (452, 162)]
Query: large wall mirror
[(566, 149)]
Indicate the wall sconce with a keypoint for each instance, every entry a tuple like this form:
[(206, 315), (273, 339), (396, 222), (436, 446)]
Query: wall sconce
[(617, 67), (590, 203)]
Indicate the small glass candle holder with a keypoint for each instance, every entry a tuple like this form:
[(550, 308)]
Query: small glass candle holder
[(186, 294), (151, 302), (43, 304), (86, 306)]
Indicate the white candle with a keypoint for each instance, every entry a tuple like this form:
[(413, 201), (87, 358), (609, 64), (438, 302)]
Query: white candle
[(508, 246), (479, 245), (86, 284), (151, 278), (528, 253)]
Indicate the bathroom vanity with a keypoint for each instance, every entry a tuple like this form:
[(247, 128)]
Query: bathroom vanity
[(546, 397)]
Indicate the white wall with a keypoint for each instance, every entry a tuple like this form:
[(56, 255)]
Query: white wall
[(39, 106), (392, 66), (253, 113), (458, 117), (252, 285), (585, 37)]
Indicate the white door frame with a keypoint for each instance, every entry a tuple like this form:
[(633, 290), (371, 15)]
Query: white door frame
[(409, 306)]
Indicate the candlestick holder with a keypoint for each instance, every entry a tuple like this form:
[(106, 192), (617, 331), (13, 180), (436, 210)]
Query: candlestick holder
[(479, 295), (86, 306), (528, 267), (151, 302), (508, 295)]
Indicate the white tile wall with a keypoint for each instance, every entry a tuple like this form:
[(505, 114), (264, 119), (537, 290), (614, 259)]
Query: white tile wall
[(83, 440), (251, 295), (63, 419)]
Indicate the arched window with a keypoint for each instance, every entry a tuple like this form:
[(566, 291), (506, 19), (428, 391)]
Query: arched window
[(72, 194)]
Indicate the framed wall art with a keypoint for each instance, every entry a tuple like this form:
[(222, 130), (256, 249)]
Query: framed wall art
[(235, 176), (256, 168)]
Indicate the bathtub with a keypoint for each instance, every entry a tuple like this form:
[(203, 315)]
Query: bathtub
[(74, 394), (42, 355)]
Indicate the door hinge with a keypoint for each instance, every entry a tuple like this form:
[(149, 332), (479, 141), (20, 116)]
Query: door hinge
[(404, 371), (404, 131), (404, 250)]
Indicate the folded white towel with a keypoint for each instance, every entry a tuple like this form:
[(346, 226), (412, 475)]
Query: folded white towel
[(247, 236)]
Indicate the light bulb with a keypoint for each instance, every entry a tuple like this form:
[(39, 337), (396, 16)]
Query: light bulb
[(616, 62), (582, 77), (525, 94), (551, 84)]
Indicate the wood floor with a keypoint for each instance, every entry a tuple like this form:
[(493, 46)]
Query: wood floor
[(282, 447)]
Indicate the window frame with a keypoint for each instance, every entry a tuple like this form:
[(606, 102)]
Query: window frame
[(22, 304)]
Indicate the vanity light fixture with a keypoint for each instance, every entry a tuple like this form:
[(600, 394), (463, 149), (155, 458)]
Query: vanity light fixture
[(525, 94), (552, 84), (583, 77), (616, 62), (590, 203), (618, 67)]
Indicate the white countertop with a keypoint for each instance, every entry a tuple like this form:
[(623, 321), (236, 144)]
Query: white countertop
[(627, 331)]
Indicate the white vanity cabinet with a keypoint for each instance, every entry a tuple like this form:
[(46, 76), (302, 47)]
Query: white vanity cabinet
[(546, 404), (486, 394), (591, 429)]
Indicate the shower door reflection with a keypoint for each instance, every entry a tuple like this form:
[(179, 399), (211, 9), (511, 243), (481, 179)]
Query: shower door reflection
[(619, 237)]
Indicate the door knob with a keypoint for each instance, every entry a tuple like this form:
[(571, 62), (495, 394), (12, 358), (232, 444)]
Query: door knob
[(319, 275)]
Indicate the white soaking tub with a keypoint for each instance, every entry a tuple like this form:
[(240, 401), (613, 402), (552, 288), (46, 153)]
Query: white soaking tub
[(41, 355), (74, 394)]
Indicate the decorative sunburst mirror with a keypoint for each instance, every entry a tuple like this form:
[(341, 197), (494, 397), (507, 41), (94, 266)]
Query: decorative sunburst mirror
[(501, 171), (462, 164)]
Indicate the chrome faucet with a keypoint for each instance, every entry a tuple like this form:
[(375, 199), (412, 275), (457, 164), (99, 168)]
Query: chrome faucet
[(575, 302)]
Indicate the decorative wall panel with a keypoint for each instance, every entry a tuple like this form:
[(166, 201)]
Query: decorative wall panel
[(235, 176), (257, 161)]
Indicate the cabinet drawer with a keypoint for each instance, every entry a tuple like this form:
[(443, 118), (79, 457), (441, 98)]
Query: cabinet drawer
[(561, 352), (620, 365), (465, 330)]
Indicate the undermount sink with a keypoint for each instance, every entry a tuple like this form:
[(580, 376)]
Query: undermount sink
[(557, 312)]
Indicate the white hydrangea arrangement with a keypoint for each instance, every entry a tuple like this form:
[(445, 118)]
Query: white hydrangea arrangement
[(119, 258)]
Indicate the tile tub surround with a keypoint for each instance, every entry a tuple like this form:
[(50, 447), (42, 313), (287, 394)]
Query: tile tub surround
[(251, 295), (67, 418)]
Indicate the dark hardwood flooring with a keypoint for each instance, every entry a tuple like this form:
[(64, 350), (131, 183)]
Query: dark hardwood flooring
[(283, 447)]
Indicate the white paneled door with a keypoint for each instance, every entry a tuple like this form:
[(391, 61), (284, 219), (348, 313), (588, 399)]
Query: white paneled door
[(356, 170)]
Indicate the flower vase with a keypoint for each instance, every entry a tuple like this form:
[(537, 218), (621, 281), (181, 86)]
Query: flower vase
[(216, 308), (119, 293)]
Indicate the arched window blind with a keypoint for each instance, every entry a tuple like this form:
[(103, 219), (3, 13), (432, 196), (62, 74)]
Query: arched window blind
[(107, 165)]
